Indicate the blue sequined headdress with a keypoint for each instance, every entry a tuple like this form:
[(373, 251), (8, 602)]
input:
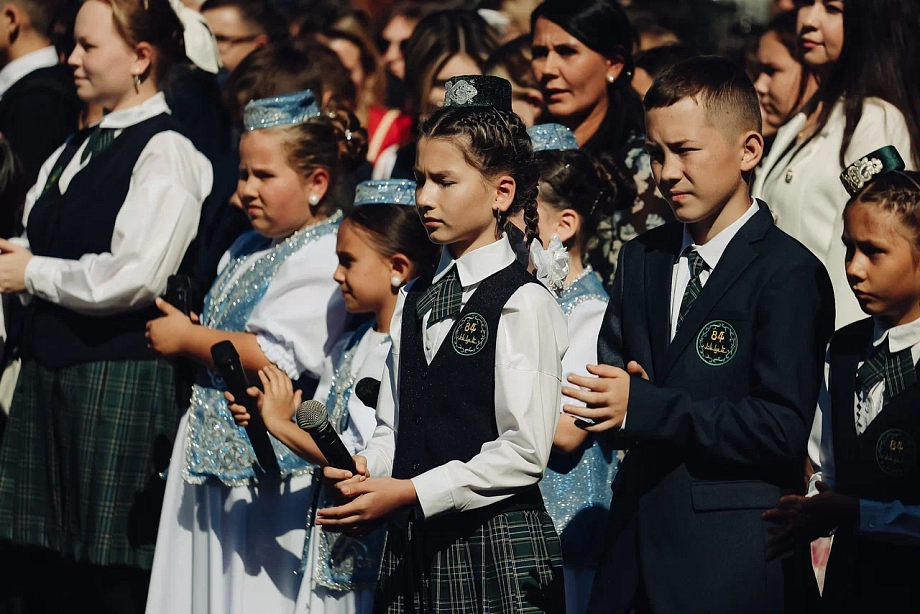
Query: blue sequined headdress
[(478, 91), (287, 110), (385, 192), (549, 137)]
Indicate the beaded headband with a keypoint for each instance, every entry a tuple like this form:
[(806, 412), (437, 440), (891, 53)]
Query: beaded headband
[(478, 91), (385, 192), (287, 110), (869, 168), (552, 137)]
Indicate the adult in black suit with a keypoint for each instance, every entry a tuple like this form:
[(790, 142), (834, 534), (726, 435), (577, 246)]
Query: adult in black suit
[(39, 109), (722, 369)]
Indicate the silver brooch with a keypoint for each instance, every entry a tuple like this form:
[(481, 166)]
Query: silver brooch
[(459, 93), (861, 172)]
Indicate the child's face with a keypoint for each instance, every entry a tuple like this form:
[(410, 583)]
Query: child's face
[(456, 204), (275, 196), (882, 263), (697, 168), (364, 275)]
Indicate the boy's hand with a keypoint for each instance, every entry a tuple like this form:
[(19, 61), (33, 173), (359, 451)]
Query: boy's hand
[(279, 402), (167, 334), (606, 397), (334, 476), (371, 500), (801, 520)]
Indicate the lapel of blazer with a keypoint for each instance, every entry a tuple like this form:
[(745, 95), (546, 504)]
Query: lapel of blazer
[(659, 268), (738, 256)]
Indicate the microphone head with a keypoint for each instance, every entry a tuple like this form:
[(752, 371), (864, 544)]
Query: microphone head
[(311, 414), (368, 389), (224, 353)]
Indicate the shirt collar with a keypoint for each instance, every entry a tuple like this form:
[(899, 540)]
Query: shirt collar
[(899, 337), (29, 63), (125, 118), (712, 251), (475, 266)]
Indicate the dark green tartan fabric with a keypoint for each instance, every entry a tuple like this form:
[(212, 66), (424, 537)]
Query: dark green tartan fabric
[(512, 564), (78, 473)]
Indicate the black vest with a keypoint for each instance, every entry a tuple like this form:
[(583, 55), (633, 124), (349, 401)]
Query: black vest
[(447, 408), (81, 222), (881, 464)]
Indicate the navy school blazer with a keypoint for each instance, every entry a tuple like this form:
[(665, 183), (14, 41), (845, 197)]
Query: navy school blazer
[(720, 431)]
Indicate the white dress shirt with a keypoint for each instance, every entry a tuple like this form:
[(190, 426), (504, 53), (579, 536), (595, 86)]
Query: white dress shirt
[(887, 520), (711, 253), (29, 63), (802, 185), (584, 326), (153, 229), (531, 341), (302, 314)]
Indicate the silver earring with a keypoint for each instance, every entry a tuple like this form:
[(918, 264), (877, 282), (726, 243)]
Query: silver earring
[(137, 83), (395, 281), (314, 200)]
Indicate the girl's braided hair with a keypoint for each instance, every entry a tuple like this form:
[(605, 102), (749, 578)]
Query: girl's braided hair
[(495, 143)]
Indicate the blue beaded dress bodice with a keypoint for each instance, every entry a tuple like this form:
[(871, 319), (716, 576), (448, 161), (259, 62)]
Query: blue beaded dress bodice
[(576, 487), (217, 448)]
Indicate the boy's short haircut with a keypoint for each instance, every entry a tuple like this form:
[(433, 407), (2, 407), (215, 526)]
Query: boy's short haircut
[(42, 13), (720, 85)]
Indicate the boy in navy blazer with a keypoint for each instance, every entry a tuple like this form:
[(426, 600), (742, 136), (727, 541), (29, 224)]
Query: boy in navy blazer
[(711, 356)]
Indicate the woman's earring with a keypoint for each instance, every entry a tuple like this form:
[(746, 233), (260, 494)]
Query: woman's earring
[(611, 78), (137, 84), (314, 200), (395, 281)]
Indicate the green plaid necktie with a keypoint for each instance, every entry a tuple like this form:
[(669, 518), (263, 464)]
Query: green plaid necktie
[(443, 299), (97, 142), (694, 286), (897, 371)]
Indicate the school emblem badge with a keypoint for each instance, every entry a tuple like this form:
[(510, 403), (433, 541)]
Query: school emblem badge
[(470, 334), (717, 343), (896, 453)]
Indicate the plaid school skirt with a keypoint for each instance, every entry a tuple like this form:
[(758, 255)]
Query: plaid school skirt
[(511, 564), (80, 458)]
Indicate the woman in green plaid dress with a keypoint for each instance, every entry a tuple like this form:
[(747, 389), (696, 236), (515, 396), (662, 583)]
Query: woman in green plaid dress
[(111, 217), (473, 380)]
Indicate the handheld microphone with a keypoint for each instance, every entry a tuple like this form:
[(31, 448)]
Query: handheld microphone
[(179, 293), (228, 365), (313, 418), (368, 389)]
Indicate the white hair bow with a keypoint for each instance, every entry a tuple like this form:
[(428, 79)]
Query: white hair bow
[(551, 265), (200, 46)]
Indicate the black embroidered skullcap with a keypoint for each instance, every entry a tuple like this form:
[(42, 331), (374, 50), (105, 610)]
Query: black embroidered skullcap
[(478, 91), (869, 168)]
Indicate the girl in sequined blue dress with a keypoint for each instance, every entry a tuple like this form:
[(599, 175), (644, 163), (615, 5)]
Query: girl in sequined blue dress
[(576, 191), (381, 245), (230, 537)]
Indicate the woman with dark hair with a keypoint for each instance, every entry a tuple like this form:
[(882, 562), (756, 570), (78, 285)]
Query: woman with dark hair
[(782, 82), (866, 57), (444, 44), (582, 58)]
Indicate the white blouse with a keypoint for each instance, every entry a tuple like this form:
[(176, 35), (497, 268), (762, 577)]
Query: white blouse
[(803, 189), (302, 314), (531, 342), (153, 229)]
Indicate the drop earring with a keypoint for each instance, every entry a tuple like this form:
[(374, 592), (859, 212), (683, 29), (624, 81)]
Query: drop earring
[(137, 84), (314, 200)]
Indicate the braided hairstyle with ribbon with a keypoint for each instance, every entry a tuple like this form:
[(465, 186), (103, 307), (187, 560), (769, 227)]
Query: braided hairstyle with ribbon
[(595, 187), (495, 143)]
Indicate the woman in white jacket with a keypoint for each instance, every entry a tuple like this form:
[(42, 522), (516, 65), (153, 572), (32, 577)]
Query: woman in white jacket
[(865, 54)]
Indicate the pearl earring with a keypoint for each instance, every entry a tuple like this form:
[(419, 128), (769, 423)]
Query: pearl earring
[(396, 281), (611, 78), (314, 200)]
